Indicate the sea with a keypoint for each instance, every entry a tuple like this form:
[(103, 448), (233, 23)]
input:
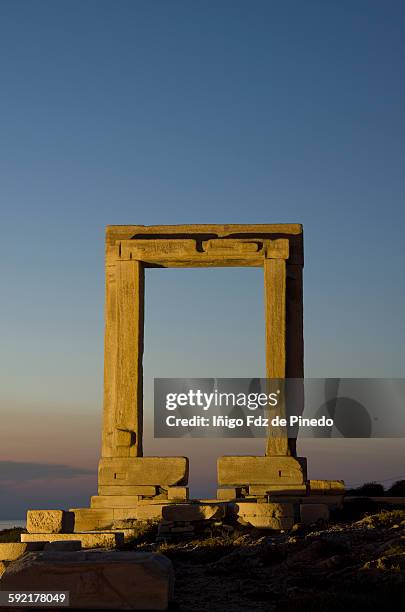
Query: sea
[(10, 523)]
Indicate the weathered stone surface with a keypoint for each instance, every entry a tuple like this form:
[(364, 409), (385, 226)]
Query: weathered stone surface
[(127, 373), (114, 501), (126, 232), (277, 490), (229, 494), (10, 551), (326, 487), (193, 512), (122, 514), (101, 580), (149, 512), (143, 490), (124, 523), (96, 539), (266, 516), (155, 471), (87, 519), (49, 521), (181, 493), (251, 470), (156, 500), (269, 509), (310, 513)]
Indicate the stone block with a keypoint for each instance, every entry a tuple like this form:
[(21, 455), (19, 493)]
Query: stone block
[(124, 523), (251, 470), (193, 512), (124, 514), (114, 501), (10, 551), (150, 471), (310, 513), (88, 519), (111, 580), (96, 539), (326, 487), (49, 521), (229, 494), (180, 493), (142, 490), (149, 512), (283, 490), (159, 500), (265, 516)]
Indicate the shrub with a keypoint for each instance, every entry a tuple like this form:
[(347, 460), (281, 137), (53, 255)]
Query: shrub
[(397, 489)]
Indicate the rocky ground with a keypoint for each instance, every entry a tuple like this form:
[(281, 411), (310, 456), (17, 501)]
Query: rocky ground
[(356, 562)]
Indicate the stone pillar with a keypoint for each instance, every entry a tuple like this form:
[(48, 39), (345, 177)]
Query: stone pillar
[(110, 360), (277, 340), (123, 395)]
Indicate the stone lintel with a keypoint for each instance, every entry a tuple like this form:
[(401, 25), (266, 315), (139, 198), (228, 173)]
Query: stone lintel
[(206, 230), (204, 243), (178, 252)]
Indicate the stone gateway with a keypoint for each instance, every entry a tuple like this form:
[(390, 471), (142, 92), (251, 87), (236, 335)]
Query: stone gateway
[(268, 491)]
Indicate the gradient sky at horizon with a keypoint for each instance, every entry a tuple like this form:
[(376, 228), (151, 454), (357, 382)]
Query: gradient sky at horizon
[(187, 112)]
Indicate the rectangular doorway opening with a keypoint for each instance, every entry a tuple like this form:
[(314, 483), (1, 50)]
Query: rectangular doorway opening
[(204, 322)]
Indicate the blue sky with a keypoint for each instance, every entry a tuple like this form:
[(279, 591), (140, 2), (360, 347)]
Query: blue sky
[(189, 112)]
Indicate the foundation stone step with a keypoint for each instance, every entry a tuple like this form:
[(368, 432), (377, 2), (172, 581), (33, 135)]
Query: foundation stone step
[(95, 539), (265, 516), (193, 512), (145, 471), (89, 519), (264, 489), (114, 501), (227, 494), (142, 490), (255, 470)]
